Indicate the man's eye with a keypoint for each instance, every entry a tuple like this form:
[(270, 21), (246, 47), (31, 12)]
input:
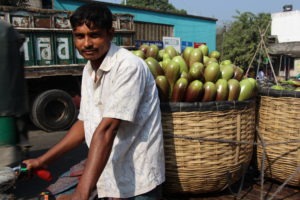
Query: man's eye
[(95, 35), (78, 36)]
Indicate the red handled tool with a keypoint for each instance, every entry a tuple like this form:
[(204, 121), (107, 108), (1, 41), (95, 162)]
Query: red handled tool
[(42, 173)]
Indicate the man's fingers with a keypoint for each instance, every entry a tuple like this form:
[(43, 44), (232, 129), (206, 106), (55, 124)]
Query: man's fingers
[(28, 164)]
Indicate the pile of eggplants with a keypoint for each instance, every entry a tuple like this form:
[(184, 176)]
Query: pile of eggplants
[(196, 75)]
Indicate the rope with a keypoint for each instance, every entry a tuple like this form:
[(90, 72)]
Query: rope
[(229, 141), (237, 194), (263, 144), (285, 182)]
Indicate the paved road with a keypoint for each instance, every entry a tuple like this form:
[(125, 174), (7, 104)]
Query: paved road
[(41, 142)]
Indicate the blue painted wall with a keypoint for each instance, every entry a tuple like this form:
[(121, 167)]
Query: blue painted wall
[(187, 28)]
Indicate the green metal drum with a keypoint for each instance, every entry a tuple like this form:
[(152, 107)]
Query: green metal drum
[(7, 131)]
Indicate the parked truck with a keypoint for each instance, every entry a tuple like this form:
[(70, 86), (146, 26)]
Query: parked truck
[(53, 67)]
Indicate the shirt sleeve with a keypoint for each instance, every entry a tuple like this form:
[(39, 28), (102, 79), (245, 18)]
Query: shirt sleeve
[(126, 93), (82, 99)]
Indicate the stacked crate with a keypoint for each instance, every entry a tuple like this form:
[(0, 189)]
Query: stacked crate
[(124, 30)]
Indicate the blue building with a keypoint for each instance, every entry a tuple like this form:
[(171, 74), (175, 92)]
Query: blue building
[(153, 25)]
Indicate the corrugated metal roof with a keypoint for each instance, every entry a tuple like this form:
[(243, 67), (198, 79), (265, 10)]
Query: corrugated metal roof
[(153, 10)]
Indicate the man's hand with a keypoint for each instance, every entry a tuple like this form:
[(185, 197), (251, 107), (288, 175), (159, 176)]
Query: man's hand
[(34, 164)]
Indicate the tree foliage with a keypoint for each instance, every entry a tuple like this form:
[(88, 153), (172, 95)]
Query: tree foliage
[(242, 37), (162, 5), (17, 3)]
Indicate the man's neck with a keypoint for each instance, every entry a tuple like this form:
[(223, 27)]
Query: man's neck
[(96, 63)]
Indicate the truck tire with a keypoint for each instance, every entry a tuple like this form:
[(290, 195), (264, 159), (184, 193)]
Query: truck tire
[(53, 110)]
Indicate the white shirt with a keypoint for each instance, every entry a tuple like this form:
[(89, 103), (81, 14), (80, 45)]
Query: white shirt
[(125, 90)]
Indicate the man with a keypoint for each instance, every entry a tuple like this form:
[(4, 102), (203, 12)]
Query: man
[(119, 116)]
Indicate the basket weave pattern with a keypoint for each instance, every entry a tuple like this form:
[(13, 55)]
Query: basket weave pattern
[(198, 166), (279, 121)]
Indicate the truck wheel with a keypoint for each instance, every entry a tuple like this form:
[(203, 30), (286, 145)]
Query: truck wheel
[(53, 110)]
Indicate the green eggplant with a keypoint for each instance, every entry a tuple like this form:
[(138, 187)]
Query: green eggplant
[(253, 81), (160, 64), (196, 71), (163, 88), (210, 92), (194, 91), (227, 72), (212, 72), (166, 56), (233, 89), (195, 56), (152, 51), (144, 48), (211, 60), (222, 66), (160, 54), (214, 54), (255, 87), (277, 87), (139, 53), (182, 63), (238, 73), (226, 62), (154, 67), (165, 63), (204, 49), (297, 89), (295, 83), (186, 53), (247, 88), (222, 90), (186, 76), (172, 73), (171, 51), (205, 60), (179, 90)]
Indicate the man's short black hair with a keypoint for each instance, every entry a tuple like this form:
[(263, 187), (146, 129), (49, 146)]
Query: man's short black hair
[(94, 15)]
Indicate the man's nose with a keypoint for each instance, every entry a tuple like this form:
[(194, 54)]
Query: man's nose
[(87, 42)]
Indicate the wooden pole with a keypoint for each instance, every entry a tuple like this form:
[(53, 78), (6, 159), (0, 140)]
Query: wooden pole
[(259, 46), (262, 34), (272, 68)]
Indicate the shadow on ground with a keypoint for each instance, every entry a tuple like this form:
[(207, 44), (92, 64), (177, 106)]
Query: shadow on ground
[(28, 189)]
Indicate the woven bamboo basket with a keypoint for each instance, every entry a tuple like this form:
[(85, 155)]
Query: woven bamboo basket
[(279, 121), (198, 158)]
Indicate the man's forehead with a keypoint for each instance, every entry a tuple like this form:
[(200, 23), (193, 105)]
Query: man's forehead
[(88, 27)]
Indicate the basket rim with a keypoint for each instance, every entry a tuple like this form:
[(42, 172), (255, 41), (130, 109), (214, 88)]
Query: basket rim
[(278, 93), (205, 106)]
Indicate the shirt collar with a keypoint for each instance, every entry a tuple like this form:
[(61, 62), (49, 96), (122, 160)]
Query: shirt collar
[(107, 62)]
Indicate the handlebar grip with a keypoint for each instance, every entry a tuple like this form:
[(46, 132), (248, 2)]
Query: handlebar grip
[(43, 174)]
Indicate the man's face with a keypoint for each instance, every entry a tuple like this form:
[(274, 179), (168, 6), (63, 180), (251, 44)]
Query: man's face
[(92, 43)]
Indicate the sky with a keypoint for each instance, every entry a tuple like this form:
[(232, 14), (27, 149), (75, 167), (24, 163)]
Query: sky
[(223, 10)]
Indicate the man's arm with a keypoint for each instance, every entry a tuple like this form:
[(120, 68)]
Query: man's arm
[(99, 153), (74, 137)]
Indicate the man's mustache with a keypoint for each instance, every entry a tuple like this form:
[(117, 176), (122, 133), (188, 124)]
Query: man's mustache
[(89, 49)]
